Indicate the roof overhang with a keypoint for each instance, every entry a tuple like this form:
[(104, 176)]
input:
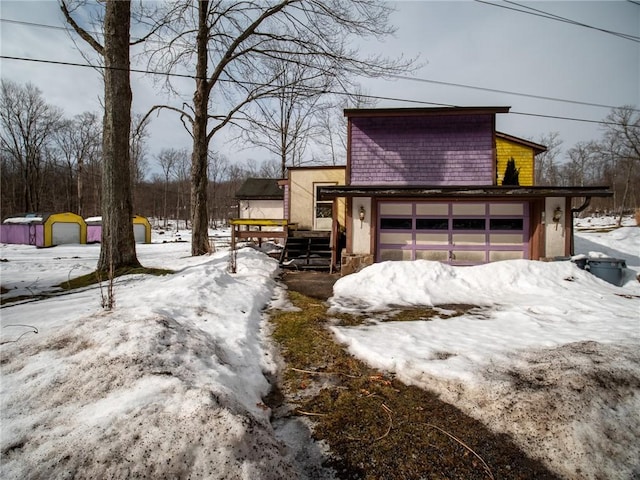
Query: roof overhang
[(420, 112), (473, 191), (260, 197), (536, 147)]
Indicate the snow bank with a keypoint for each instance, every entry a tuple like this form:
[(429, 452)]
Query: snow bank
[(550, 354), (169, 385)]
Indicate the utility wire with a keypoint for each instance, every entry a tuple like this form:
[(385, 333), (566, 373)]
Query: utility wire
[(399, 77), (506, 92), (39, 25), (573, 22), (550, 16), (374, 97)]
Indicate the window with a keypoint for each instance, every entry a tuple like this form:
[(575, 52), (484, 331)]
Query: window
[(432, 224), (469, 223), (322, 209), (396, 224), (506, 224)]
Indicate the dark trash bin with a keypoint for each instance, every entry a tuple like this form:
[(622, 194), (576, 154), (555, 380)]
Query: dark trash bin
[(607, 269), (580, 262)]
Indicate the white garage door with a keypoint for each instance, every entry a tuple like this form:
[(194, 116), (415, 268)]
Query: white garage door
[(65, 232), (139, 233), (460, 233)]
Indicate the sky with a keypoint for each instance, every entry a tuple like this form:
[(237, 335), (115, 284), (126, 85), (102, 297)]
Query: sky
[(170, 383), (465, 42)]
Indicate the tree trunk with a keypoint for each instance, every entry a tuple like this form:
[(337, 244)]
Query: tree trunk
[(627, 185), (118, 248), (164, 203), (199, 177), (80, 173)]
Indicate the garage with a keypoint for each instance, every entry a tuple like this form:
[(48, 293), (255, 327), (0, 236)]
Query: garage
[(455, 232)]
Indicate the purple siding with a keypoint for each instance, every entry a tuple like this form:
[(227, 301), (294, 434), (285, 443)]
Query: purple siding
[(22, 234), (94, 233), (429, 150)]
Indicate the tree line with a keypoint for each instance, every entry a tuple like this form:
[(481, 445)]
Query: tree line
[(612, 160), (52, 163)]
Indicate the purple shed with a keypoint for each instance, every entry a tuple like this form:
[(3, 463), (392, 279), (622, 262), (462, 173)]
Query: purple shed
[(43, 229)]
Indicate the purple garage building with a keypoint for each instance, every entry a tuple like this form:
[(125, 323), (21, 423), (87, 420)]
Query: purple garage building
[(43, 229)]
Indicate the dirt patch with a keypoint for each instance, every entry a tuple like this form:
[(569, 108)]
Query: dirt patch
[(377, 427), (312, 284)]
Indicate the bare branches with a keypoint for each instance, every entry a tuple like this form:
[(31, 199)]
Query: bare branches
[(467, 447), (79, 30), (31, 328)]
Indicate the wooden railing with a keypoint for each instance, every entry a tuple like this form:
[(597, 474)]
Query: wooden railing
[(238, 233)]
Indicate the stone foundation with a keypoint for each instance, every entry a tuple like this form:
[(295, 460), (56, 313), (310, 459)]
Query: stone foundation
[(352, 263)]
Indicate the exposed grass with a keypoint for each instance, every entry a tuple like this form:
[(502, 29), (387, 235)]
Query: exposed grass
[(377, 427), (83, 281), (18, 298), (402, 314), (97, 277)]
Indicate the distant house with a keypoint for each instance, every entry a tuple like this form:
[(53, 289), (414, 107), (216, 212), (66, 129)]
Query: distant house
[(43, 229), (141, 229), (427, 183), (260, 198)]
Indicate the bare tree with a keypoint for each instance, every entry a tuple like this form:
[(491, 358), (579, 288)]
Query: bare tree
[(168, 160), (79, 143), (270, 169), (233, 40), (622, 135), (118, 248), (27, 126), (285, 123), (217, 170), (332, 126), (65, 142), (138, 141), (582, 167), (546, 163), (182, 174)]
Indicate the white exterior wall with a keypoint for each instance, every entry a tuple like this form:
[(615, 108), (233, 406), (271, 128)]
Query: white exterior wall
[(259, 209), (361, 230), (555, 233)]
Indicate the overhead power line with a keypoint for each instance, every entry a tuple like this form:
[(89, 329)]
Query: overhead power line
[(540, 13), (32, 24), (400, 77), (374, 97), (506, 92)]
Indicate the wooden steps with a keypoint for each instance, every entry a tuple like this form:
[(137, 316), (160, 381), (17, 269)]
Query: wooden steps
[(306, 253)]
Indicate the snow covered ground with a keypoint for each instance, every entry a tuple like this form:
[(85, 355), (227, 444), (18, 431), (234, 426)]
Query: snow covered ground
[(170, 383)]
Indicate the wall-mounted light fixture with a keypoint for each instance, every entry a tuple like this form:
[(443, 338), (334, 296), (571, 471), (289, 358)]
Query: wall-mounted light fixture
[(557, 216), (361, 215)]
